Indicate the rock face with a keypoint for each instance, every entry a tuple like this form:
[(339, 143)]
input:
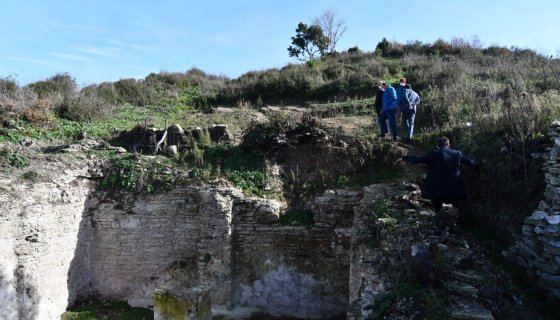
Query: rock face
[(290, 270), (537, 249), (63, 240), (45, 239), (396, 242)]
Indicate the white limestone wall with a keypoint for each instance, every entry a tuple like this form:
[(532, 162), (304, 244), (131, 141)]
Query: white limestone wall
[(179, 238), (60, 240), (44, 245)]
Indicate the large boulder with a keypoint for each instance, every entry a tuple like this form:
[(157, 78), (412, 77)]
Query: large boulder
[(219, 133)]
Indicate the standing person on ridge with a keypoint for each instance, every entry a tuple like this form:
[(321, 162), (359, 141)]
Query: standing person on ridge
[(444, 183), (402, 102), (389, 111), (379, 98), (409, 112)]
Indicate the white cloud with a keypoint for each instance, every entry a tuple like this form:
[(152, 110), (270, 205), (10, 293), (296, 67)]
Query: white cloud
[(72, 57), (103, 51), (123, 45), (32, 61), (56, 25)]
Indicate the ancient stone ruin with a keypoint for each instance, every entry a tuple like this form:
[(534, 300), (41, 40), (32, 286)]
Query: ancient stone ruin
[(170, 140), (201, 248), (65, 241), (537, 249)]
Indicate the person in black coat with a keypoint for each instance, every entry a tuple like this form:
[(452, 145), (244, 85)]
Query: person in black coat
[(444, 183), (379, 99)]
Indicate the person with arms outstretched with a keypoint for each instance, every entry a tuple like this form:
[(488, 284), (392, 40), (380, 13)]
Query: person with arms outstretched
[(444, 183)]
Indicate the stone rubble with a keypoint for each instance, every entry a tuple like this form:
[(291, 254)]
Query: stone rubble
[(397, 239)]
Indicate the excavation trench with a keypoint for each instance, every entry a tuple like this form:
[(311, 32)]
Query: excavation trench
[(67, 243)]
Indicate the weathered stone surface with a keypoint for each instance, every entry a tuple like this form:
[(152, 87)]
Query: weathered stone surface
[(539, 249), (285, 291), (219, 132), (171, 150), (536, 217), (66, 240), (420, 263), (188, 304), (45, 245), (553, 220)]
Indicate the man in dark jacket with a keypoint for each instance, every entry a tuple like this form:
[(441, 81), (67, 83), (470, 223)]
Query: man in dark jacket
[(379, 98), (402, 101), (444, 183)]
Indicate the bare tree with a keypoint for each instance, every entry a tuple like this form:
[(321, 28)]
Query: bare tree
[(333, 27)]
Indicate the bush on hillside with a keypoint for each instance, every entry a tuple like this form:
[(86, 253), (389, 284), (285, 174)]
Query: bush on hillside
[(14, 101), (40, 113), (134, 92), (55, 88), (85, 107)]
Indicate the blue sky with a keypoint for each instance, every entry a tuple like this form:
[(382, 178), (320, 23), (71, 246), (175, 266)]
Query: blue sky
[(107, 40)]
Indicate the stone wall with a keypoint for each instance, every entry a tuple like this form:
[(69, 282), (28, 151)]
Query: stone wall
[(537, 249), (63, 240), (44, 244), (293, 270), (177, 238), (366, 282), (234, 245)]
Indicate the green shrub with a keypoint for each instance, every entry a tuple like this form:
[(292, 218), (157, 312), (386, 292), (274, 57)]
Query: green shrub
[(30, 175), (15, 159), (9, 88), (134, 92), (85, 107)]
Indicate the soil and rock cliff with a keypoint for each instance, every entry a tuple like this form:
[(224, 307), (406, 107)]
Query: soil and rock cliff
[(373, 248)]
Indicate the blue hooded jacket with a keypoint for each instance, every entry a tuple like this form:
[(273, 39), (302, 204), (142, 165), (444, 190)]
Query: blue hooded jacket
[(389, 99), (402, 101)]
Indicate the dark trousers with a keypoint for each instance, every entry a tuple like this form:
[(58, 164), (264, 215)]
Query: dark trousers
[(391, 116)]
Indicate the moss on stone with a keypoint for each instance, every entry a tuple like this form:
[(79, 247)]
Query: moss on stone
[(169, 307), (182, 304)]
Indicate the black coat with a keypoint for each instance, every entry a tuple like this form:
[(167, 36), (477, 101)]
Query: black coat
[(443, 176), (378, 101)]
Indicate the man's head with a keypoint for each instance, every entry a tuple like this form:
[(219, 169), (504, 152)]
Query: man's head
[(382, 85), (442, 142), (402, 81)]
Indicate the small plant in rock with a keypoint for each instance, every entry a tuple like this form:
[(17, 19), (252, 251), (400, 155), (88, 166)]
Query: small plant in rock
[(30, 176), (342, 181), (139, 175), (15, 159)]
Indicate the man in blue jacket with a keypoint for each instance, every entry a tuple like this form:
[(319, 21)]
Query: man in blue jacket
[(389, 111), (402, 102), (444, 183)]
